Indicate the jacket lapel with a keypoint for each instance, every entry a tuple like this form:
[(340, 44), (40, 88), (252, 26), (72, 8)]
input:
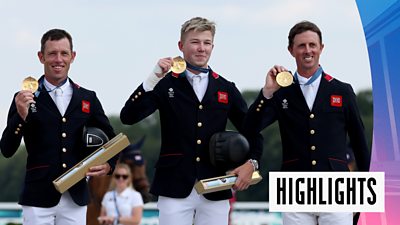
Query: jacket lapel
[(212, 88), (182, 84), (321, 94), (75, 99), (300, 101), (45, 99)]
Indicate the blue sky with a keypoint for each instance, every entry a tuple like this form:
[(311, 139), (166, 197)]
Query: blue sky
[(119, 41)]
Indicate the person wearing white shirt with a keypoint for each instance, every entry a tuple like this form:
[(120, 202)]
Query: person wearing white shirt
[(122, 204)]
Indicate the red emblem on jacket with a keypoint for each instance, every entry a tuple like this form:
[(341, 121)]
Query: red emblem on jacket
[(85, 106), (223, 97), (336, 100)]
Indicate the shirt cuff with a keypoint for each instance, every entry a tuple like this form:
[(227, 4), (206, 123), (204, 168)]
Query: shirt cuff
[(152, 80)]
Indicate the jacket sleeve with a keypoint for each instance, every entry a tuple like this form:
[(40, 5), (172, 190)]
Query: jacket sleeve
[(356, 133), (261, 114), (237, 116), (12, 134), (100, 120), (139, 105)]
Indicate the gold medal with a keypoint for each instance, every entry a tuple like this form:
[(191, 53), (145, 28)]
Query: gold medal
[(30, 84), (179, 65), (284, 79)]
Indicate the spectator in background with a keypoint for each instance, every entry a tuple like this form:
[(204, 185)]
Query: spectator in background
[(121, 205)]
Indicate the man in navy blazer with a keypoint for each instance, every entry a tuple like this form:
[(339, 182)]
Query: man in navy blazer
[(315, 114), (191, 111), (51, 120)]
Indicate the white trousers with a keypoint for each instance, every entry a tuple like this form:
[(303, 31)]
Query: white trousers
[(194, 209), (310, 218), (66, 212)]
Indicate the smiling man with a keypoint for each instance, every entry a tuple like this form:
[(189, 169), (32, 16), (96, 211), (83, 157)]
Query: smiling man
[(52, 120), (193, 104), (316, 114)]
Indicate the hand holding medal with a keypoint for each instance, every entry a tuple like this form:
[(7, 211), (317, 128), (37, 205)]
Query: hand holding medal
[(32, 85), (179, 65), (284, 79)]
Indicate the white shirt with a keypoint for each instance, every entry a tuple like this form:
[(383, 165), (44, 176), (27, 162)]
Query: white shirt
[(126, 201), (66, 92), (310, 90), (202, 88)]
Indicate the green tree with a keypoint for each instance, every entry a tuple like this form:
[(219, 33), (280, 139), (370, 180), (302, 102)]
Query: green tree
[(12, 177)]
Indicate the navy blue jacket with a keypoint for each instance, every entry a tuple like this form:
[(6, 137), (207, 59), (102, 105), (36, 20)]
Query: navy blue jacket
[(54, 143), (186, 128), (314, 140)]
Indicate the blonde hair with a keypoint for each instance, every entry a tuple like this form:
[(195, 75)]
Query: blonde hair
[(197, 24), (129, 172)]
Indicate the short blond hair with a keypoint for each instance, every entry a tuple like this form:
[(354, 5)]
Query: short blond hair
[(197, 24)]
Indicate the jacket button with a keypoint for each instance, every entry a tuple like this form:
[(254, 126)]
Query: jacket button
[(20, 125), (132, 99), (139, 93), (18, 129), (314, 162), (64, 119), (136, 96), (197, 159), (258, 109), (259, 106), (64, 149), (64, 135), (64, 165), (312, 131), (311, 116), (16, 132), (199, 124), (198, 142), (313, 147), (262, 101), (200, 106)]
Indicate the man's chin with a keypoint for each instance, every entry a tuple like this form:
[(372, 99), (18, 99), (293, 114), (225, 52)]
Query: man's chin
[(200, 64)]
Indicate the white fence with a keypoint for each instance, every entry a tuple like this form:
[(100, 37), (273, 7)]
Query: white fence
[(244, 213)]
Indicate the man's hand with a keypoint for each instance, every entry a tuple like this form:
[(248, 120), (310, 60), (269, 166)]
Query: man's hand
[(100, 170), (244, 173), (164, 65), (270, 81), (22, 101)]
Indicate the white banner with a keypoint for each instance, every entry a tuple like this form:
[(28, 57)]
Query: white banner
[(327, 191)]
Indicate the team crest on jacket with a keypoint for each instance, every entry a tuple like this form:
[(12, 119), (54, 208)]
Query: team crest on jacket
[(223, 97), (336, 101), (171, 92), (285, 104), (85, 106)]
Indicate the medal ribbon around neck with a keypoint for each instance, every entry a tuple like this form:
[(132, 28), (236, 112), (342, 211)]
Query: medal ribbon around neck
[(196, 68), (313, 77)]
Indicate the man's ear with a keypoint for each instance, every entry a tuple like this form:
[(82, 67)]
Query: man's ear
[(290, 49), (180, 45), (40, 56)]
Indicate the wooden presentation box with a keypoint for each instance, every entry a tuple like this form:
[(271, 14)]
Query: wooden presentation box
[(98, 157), (222, 183)]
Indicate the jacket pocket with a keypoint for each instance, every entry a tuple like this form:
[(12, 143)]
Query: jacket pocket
[(36, 173), (290, 165), (169, 160), (338, 164)]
